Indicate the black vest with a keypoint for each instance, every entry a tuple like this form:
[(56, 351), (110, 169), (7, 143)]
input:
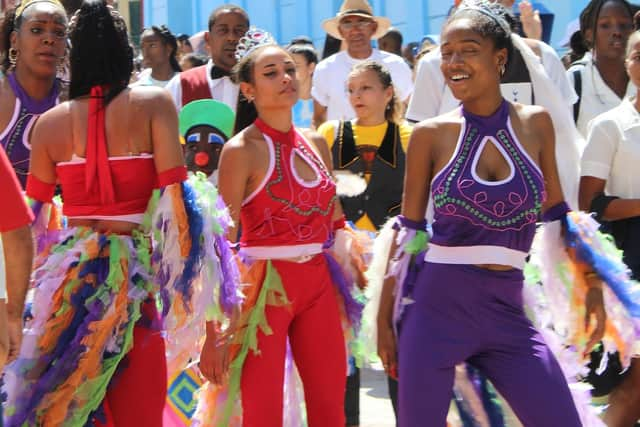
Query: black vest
[(383, 195)]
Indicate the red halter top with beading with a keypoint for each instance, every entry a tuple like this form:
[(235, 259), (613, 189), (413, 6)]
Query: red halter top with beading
[(286, 210)]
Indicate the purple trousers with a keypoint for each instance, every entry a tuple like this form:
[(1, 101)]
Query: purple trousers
[(466, 313)]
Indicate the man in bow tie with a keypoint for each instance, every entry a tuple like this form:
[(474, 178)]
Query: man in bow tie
[(227, 24)]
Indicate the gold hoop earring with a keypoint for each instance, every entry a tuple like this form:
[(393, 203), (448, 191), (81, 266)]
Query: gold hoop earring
[(13, 57)]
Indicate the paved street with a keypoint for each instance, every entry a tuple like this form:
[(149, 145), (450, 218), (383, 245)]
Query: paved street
[(375, 406)]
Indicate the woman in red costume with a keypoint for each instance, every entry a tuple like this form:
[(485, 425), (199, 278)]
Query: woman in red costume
[(278, 186), (95, 347)]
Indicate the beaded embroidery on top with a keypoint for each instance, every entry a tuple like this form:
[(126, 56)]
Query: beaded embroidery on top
[(512, 204), (280, 156)]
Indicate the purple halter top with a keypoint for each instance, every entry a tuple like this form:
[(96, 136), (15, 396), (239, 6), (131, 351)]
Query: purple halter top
[(470, 211), (15, 137)]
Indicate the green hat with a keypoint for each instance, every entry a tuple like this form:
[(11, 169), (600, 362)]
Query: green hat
[(207, 112)]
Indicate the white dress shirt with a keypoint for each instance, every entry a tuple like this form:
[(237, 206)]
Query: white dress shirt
[(613, 150), (597, 97), (330, 81)]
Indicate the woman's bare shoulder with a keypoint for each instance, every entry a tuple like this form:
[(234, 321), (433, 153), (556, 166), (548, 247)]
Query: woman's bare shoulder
[(432, 130), (152, 98)]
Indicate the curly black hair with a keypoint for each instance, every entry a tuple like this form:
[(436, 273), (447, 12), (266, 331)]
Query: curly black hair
[(486, 22), (170, 40), (100, 50), (589, 17)]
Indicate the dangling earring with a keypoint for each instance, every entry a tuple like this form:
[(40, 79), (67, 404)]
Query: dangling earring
[(61, 65), (13, 57), (502, 69)]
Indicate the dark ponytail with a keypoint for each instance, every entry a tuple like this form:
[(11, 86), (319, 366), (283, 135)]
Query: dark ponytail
[(100, 50)]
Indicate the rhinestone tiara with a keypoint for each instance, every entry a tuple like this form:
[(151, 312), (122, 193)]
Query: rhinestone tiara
[(253, 39)]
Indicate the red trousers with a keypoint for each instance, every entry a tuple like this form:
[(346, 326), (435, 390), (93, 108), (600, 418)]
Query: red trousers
[(312, 322), (137, 393)]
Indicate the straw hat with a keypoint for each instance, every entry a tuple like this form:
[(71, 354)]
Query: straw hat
[(356, 8)]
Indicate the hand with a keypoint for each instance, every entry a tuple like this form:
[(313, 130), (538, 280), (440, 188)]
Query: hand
[(387, 350), (594, 304), (530, 19), (14, 327), (214, 361)]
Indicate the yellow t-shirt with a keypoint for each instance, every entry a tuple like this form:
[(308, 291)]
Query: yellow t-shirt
[(365, 135)]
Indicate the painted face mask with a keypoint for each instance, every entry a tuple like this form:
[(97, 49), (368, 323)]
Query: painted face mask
[(205, 125)]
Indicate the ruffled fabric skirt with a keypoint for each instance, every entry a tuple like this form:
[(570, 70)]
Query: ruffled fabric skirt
[(89, 288)]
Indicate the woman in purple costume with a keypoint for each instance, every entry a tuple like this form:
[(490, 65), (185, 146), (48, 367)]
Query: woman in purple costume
[(35, 35), (491, 169)]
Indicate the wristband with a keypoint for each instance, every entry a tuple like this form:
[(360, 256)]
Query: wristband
[(40, 190), (172, 176), (403, 221), (556, 212)]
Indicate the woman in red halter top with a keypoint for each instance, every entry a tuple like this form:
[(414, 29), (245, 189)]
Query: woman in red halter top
[(94, 345), (278, 186)]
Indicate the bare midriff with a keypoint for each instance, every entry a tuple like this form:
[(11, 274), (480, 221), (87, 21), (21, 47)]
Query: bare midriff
[(495, 267), (101, 225)]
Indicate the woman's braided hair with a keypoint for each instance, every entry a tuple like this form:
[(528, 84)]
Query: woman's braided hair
[(100, 50)]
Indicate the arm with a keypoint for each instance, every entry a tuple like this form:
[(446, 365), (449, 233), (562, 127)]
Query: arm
[(167, 152), (320, 94), (429, 88), (18, 249), (597, 164), (234, 172), (403, 82), (319, 114), (615, 209), (530, 18), (17, 243), (594, 302), (418, 174)]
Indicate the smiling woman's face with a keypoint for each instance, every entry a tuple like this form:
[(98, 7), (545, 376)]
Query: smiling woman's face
[(470, 62)]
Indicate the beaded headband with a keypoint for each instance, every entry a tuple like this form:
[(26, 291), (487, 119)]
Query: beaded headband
[(20, 9), (487, 12), (253, 39)]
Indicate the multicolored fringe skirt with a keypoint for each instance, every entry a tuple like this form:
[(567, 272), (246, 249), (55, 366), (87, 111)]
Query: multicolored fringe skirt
[(222, 406), (89, 288)]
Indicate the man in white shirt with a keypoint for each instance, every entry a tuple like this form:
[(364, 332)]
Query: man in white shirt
[(227, 24), (357, 26)]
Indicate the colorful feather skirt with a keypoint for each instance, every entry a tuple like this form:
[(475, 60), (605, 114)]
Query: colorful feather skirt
[(89, 288)]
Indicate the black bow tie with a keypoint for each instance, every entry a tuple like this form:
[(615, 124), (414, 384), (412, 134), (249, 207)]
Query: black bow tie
[(218, 73)]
